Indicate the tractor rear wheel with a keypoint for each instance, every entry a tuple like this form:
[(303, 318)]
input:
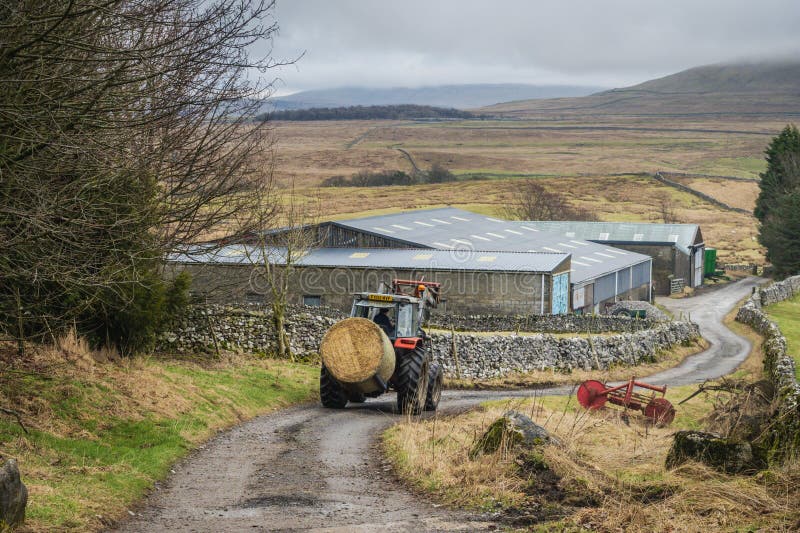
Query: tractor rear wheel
[(357, 397), (412, 381), (331, 393), (435, 381)]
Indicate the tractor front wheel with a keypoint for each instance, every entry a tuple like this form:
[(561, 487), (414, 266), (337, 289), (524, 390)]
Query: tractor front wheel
[(412, 381), (435, 381), (331, 393)]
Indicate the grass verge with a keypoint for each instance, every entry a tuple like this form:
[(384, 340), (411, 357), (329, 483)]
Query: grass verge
[(607, 474), (546, 378), (101, 433), (787, 315)]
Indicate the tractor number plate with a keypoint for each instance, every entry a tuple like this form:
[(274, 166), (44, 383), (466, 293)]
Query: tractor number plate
[(381, 297)]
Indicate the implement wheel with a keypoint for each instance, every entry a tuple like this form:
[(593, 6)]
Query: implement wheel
[(590, 394), (660, 411), (331, 394), (412, 381)]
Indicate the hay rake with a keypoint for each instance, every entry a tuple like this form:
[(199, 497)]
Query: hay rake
[(594, 394)]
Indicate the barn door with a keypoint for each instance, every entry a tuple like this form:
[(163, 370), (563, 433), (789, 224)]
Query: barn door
[(699, 267), (560, 300)]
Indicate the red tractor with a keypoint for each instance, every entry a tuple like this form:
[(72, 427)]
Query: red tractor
[(382, 346)]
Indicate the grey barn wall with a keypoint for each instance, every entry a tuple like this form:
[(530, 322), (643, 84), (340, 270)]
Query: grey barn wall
[(334, 235), (463, 292), (667, 261)]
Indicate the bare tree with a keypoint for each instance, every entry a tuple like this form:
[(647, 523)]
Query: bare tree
[(126, 134), (286, 231), (665, 208), (532, 201)]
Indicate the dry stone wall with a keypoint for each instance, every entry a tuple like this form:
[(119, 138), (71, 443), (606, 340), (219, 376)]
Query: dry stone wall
[(492, 356), (779, 365), (543, 323), (204, 328)]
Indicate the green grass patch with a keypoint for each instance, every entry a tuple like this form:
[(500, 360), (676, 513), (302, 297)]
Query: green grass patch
[(99, 439), (745, 167), (787, 315)]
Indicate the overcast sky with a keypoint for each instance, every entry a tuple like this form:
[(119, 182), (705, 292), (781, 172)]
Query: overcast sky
[(610, 43)]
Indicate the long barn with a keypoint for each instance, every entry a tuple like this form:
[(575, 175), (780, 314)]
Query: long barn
[(600, 275), (472, 281), (487, 265)]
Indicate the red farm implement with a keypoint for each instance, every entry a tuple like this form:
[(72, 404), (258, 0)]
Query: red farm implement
[(594, 395)]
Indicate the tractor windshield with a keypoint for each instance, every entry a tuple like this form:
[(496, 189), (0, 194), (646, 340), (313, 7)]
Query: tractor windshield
[(397, 319), (405, 321)]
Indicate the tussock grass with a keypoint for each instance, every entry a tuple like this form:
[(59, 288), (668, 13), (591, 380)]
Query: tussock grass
[(102, 429), (609, 473)]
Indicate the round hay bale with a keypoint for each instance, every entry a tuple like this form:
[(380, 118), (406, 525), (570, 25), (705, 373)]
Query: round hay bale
[(355, 350)]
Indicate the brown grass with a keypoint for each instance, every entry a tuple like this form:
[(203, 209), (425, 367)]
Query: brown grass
[(580, 163), (312, 151), (610, 473)]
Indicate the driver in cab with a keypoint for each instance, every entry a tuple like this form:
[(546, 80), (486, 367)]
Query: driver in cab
[(383, 320)]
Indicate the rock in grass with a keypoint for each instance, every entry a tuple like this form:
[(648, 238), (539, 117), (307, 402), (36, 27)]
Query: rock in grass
[(510, 430), (726, 455), (13, 495)]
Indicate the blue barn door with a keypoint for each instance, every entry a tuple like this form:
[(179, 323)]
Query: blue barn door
[(560, 299)]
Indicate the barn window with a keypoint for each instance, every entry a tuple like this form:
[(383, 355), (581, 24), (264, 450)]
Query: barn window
[(312, 300)]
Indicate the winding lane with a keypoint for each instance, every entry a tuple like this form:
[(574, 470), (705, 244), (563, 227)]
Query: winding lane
[(309, 468)]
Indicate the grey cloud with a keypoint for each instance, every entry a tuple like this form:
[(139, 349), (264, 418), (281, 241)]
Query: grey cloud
[(600, 42)]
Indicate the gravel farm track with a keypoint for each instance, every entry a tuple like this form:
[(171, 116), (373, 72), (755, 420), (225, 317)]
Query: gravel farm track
[(310, 468)]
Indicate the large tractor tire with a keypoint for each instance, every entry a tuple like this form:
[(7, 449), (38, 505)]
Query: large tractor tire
[(331, 394), (412, 381), (357, 397), (435, 383)]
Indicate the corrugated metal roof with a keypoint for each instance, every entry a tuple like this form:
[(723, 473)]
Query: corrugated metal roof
[(405, 258), (682, 235), (456, 229)]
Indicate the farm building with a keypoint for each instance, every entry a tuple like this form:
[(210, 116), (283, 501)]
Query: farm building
[(677, 249), (487, 264), (600, 276), (472, 281)]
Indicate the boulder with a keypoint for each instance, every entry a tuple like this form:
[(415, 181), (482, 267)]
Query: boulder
[(726, 455), (13, 495), (511, 430)]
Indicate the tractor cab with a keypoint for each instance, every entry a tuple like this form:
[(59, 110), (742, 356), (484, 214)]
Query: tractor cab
[(405, 309), (401, 313)]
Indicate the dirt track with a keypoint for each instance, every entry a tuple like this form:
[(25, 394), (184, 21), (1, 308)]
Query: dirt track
[(309, 468)]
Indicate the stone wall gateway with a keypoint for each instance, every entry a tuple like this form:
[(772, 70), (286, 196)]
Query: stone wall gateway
[(204, 328), (779, 365)]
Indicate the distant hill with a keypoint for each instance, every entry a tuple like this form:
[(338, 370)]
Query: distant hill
[(390, 112), (740, 89), (770, 78), (457, 96)]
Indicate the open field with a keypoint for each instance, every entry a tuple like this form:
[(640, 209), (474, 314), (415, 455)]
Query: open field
[(596, 162), (787, 315), (311, 151), (101, 433)]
